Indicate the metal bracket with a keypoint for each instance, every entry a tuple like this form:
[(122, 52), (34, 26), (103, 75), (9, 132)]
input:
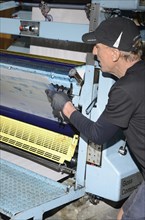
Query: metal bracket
[(94, 154), (29, 28)]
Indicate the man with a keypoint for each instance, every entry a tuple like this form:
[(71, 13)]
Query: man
[(118, 47)]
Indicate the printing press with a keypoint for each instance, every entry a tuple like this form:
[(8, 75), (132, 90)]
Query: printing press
[(41, 45)]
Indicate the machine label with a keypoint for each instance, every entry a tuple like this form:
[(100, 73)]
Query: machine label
[(130, 183)]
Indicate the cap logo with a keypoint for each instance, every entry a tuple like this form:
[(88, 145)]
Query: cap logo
[(92, 40), (117, 42)]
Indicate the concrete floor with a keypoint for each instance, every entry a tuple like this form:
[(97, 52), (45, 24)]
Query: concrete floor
[(80, 210), (84, 210)]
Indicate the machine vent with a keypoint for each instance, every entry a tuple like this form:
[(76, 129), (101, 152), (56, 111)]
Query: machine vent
[(39, 141)]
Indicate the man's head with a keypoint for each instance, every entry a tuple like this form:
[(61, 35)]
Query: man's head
[(117, 44), (117, 32)]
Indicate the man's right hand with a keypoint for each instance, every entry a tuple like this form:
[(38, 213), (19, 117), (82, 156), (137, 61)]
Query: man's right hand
[(58, 100)]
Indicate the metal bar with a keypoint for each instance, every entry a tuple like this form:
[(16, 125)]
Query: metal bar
[(40, 160), (63, 31), (64, 6), (64, 45), (7, 5), (87, 91), (49, 30)]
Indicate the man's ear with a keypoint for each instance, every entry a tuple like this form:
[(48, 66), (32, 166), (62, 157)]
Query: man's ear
[(115, 54)]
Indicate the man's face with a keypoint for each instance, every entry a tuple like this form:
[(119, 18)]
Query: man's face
[(104, 56)]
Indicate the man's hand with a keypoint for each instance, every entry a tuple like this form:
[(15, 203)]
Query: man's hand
[(58, 100)]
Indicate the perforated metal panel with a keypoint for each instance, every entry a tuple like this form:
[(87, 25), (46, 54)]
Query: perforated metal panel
[(39, 141), (22, 189)]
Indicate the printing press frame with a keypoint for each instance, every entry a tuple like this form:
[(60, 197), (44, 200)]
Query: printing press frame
[(93, 162)]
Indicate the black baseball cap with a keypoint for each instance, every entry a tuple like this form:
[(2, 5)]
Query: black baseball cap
[(118, 32)]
